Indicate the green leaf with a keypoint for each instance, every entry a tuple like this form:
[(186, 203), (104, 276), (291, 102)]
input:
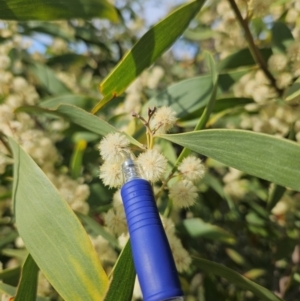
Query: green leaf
[(11, 276), (123, 277), (91, 122), (72, 99), (196, 227), (184, 97), (217, 186), (235, 256), (22, 10), (276, 194), (76, 158), (11, 291), (27, 288), (227, 79), (264, 156), (292, 95), (222, 106), (281, 37), (203, 119), (17, 253), (189, 97), (8, 238), (242, 58), (212, 99), (150, 47), (95, 229), (235, 278), (53, 235), (201, 33), (47, 78), (8, 289), (67, 59), (87, 136), (80, 117), (51, 29), (254, 273)]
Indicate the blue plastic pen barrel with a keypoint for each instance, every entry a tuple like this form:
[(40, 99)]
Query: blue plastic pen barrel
[(152, 256)]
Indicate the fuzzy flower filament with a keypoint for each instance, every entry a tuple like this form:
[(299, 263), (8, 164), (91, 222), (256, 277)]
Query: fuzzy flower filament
[(192, 168), (114, 147), (183, 194), (163, 120), (115, 220), (111, 174), (153, 164)]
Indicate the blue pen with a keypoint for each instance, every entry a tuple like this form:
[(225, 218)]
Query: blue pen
[(152, 256)]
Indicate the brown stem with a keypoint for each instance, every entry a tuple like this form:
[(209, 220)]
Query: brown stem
[(253, 48)]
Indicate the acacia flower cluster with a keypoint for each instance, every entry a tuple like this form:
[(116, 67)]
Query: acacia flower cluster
[(153, 164), (113, 148), (184, 192), (163, 120)]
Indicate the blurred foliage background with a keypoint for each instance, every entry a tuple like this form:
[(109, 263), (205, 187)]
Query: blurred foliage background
[(243, 222)]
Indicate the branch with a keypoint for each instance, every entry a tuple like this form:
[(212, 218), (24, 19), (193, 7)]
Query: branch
[(253, 48)]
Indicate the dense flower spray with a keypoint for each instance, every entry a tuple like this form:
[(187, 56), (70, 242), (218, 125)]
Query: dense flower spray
[(183, 192)]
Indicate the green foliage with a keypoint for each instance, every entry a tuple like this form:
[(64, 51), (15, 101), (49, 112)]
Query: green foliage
[(276, 160), (56, 10), (53, 235), (123, 277), (152, 45), (231, 77), (28, 285), (233, 277)]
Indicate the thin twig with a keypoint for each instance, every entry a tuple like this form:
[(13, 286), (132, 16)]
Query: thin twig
[(253, 48)]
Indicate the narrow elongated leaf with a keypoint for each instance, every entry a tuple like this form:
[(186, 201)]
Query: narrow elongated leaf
[(227, 79), (95, 229), (201, 33), (267, 157), (242, 58), (235, 278), (276, 194), (17, 253), (217, 186), (205, 114), (281, 37), (53, 235), (90, 121), (189, 97), (11, 276), (123, 277), (11, 291), (72, 99), (22, 10), (67, 59), (47, 78), (48, 28), (27, 288), (196, 227), (292, 95), (212, 98), (235, 256), (8, 238), (184, 97), (153, 44), (80, 117), (254, 273), (76, 158)]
